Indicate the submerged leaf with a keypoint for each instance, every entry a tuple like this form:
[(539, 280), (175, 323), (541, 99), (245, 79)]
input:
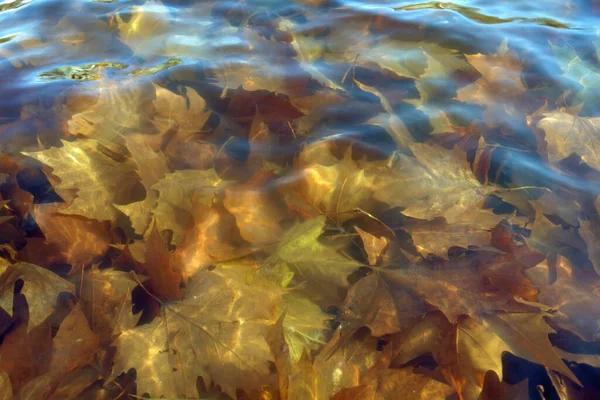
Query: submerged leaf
[(300, 247), (217, 331), (98, 179), (567, 134), (41, 287)]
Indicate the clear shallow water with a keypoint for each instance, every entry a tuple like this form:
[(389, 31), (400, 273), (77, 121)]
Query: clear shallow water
[(190, 80)]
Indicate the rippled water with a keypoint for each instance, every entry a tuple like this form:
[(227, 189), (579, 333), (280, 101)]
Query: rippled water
[(50, 49), (376, 74)]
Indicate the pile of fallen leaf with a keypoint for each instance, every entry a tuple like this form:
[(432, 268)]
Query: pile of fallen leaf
[(197, 228)]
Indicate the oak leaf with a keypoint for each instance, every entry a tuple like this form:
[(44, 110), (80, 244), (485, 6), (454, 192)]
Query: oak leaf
[(526, 334), (163, 279), (40, 287), (494, 389)]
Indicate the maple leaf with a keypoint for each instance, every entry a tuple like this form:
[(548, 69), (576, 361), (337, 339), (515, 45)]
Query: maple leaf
[(214, 238), (145, 28), (151, 163), (573, 292), (186, 113), (584, 72), (258, 212), (73, 346), (98, 179), (116, 110), (500, 87), (328, 185), (163, 280), (300, 247), (391, 384), (436, 183), (391, 122), (548, 238), (80, 240), (566, 134), (436, 236), (466, 350), (307, 50), (106, 301), (306, 326), (394, 295), (171, 201), (40, 287), (217, 331), (321, 378)]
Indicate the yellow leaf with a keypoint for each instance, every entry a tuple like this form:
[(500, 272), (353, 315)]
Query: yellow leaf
[(567, 134), (98, 179), (300, 247), (40, 286), (146, 29), (217, 332), (436, 183)]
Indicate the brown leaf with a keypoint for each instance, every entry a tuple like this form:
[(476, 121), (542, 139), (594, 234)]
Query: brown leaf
[(437, 236), (526, 334), (185, 113), (217, 331), (573, 292), (436, 183), (374, 246), (213, 238), (567, 134), (494, 389), (26, 353), (257, 209), (163, 280), (79, 240), (40, 287), (74, 344), (99, 179), (391, 384), (106, 301)]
